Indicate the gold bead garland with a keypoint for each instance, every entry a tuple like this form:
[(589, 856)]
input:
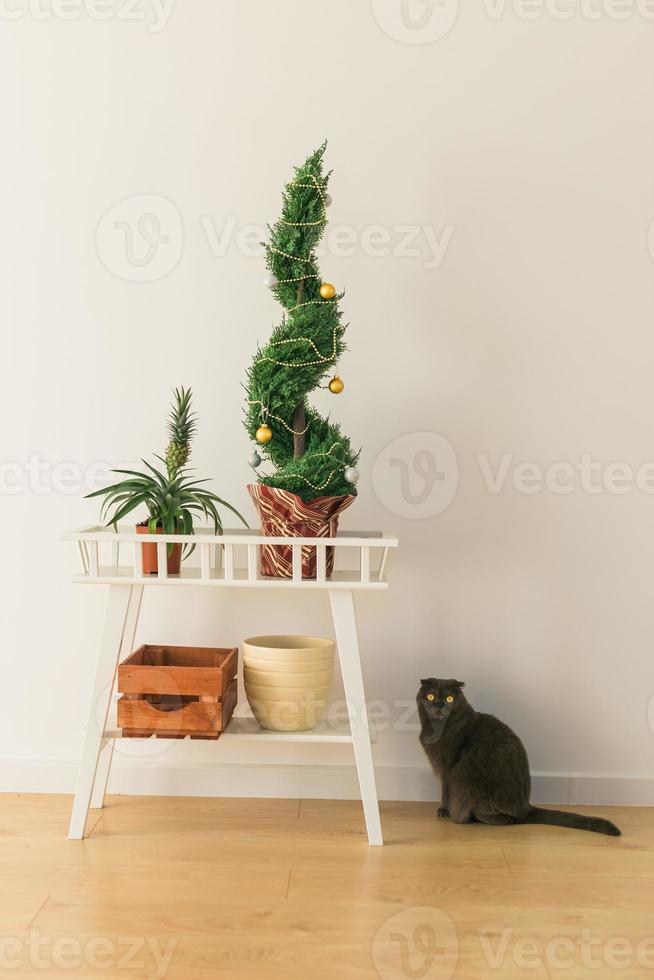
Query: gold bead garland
[(265, 414), (304, 224), (297, 364), (320, 486), (295, 340), (297, 279), (328, 480), (310, 302), (298, 183), (315, 486), (287, 255), (307, 340)]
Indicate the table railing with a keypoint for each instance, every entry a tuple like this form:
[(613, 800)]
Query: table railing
[(230, 559)]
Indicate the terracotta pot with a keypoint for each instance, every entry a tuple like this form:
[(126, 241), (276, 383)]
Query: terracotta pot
[(284, 514), (149, 551), (288, 680)]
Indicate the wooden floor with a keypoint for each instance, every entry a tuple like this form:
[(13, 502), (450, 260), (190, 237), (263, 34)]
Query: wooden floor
[(277, 889)]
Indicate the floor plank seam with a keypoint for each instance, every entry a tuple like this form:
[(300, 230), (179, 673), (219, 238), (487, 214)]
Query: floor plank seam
[(288, 884), (38, 911), (546, 966), (90, 833)]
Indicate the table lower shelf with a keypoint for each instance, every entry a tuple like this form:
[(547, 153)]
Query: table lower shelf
[(247, 728)]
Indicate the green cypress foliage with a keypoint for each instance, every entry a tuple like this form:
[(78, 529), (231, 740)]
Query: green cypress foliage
[(309, 452)]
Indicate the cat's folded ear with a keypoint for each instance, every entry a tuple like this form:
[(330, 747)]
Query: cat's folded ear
[(425, 680), (460, 684)]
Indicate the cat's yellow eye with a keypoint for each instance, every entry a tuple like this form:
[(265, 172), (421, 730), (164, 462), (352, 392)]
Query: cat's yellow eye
[(430, 696), (449, 698)]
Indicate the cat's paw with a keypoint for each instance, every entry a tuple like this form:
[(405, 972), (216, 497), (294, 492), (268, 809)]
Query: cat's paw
[(443, 812)]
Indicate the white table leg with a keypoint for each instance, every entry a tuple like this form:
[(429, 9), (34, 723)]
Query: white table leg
[(107, 745), (118, 603), (348, 650)]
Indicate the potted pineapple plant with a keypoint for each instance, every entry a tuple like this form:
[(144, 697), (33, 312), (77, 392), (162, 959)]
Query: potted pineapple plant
[(172, 497)]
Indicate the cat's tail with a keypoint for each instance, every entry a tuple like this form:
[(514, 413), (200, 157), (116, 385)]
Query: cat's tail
[(561, 818)]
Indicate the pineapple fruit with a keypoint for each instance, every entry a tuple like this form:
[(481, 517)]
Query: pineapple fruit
[(181, 426)]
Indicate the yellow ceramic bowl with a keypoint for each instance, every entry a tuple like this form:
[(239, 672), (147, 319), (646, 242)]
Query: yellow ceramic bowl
[(297, 666), (287, 680), (296, 694), (288, 647), (287, 716)]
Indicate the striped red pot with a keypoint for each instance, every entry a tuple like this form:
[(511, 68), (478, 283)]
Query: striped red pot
[(284, 514)]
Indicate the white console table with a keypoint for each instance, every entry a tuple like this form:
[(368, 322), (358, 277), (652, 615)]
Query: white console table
[(114, 559)]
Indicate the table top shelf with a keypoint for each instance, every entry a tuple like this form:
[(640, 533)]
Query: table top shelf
[(231, 559)]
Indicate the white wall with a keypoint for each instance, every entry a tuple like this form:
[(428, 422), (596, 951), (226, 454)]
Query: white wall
[(529, 143)]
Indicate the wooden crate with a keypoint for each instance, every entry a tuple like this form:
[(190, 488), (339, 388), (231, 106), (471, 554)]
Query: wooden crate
[(172, 692)]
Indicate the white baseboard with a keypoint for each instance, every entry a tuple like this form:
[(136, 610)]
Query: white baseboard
[(311, 782)]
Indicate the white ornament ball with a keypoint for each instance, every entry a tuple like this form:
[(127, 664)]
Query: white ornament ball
[(351, 474), (255, 460), (328, 199), (271, 281)]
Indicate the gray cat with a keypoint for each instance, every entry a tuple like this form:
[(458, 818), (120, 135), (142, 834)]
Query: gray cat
[(482, 764)]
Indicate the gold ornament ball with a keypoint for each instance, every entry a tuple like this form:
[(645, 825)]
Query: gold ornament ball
[(264, 434), (327, 291), (336, 385)]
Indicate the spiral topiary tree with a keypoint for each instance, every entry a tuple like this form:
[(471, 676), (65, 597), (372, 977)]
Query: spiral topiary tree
[(314, 465), (310, 455)]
